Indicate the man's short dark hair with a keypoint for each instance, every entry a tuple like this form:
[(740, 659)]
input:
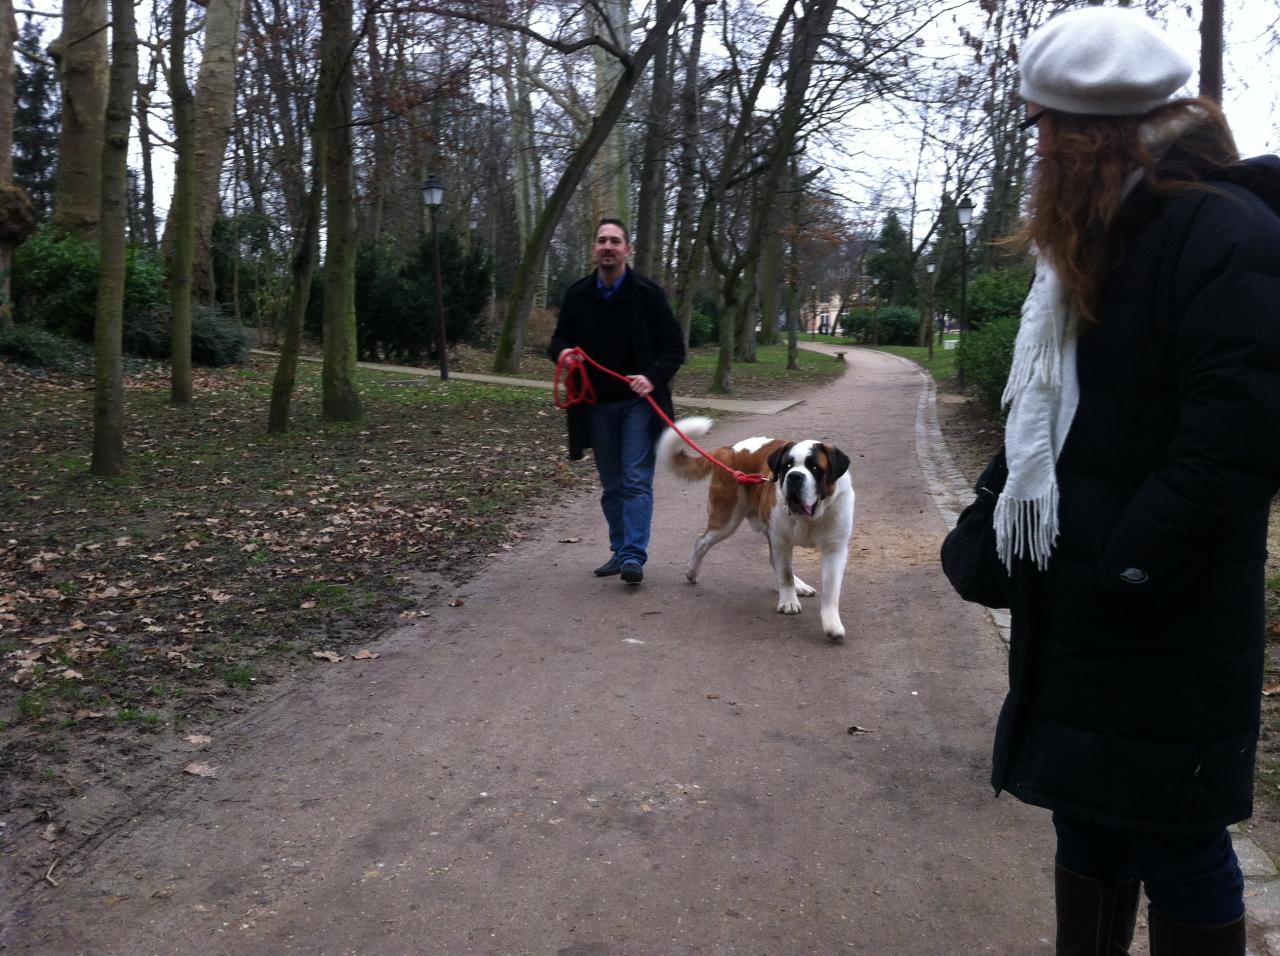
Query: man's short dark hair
[(620, 224)]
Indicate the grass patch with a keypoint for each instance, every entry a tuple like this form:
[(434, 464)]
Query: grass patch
[(942, 367), (766, 377), (240, 675)]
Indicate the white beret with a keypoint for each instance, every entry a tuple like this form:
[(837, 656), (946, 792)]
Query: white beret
[(1101, 61)]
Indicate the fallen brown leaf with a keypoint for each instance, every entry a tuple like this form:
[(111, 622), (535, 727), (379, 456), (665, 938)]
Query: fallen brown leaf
[(328, 656), (364, 655), (200, 769), (1270, 689), (457, 602), (198, 739)]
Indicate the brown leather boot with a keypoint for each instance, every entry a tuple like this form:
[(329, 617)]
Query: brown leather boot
[(1095, 917), (1171, 938)]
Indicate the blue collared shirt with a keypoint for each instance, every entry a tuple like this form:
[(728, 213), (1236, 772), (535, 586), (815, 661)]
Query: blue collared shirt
[(607, 291)]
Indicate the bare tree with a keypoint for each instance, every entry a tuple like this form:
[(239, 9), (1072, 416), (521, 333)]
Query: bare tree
[(108, 392), (80, 52), (215, 98), (511, 337), (340, 400), (17, 213), (182, 212)]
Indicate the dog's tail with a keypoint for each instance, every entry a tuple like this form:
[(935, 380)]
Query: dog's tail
[(671, 450)]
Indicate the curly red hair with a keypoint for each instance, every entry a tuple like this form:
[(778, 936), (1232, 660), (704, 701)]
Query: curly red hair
[(1081, 181)]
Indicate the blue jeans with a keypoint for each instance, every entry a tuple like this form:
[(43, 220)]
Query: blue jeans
[(1193, 879), (622, 437)]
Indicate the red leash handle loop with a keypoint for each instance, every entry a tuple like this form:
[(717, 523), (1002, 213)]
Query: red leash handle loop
[(573, 386)]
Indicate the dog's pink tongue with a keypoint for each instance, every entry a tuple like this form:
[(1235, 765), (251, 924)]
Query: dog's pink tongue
[(810, 509)]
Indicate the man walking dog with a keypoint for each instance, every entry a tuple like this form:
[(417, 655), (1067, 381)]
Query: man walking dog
[(623, 321)]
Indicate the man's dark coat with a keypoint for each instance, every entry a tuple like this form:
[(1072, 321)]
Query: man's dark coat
[(1136, 657), (657, 344)]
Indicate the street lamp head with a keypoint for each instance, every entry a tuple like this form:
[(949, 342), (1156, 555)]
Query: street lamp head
[(433, 191), (965, 211)]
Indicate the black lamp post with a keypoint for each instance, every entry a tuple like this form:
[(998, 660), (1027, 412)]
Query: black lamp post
[(965, 213), (928, 329), (433, 195)]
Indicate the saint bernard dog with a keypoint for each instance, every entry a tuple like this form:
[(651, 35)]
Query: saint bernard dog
[(809, 504)]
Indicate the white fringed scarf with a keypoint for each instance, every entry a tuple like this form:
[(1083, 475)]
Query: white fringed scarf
[(1041, 395)]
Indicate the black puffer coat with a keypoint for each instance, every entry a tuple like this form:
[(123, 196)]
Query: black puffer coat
[(1136, 658), (656, 343)]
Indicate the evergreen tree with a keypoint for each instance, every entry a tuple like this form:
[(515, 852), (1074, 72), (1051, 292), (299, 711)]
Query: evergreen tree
[(35, 127), (892, 265)]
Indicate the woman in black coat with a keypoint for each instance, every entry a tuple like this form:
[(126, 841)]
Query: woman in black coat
[(1143, 453)]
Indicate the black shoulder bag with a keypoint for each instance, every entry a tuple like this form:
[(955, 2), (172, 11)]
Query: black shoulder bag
[(969, 557)]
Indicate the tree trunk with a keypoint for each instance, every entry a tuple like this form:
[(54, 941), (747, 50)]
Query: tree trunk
[(8, 37), (304, 263), (108, 380), (380, 175), (745, 346), (686, 219), (511, 338), (1211, 49), (647, 229), (770, 260), (215, 113), (340, 401), (143, 108), (81, 55), (182, 213), (793, 270), (610, 174)]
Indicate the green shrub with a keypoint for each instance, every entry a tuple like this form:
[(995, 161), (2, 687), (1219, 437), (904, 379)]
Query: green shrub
[(217, 339), (891, 325), (702, 328), (396, 298), (984, 355), (36, 346), (997, 295), (55, 284), (31, 344)]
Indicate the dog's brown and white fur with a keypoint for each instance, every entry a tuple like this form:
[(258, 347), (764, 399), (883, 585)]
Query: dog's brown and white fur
[(810, 504)]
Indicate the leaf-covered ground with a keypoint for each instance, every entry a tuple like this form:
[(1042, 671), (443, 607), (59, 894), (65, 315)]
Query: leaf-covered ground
[(135, 613)]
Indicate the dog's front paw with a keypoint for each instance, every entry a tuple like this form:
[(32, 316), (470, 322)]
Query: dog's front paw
[(802, 589), (691, 575), (832, 627), (788, 605)]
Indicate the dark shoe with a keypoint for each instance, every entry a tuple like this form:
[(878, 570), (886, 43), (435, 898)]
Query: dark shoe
[(1095, 917), (1171, 938), (608, 569), (632, 572)]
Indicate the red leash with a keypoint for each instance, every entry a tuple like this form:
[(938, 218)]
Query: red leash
[(572, 380)]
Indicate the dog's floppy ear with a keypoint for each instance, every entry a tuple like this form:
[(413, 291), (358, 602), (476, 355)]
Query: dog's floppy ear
[(839, 461), (776, 459)]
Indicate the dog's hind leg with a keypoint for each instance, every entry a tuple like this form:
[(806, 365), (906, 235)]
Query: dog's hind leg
[(705, 542)]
